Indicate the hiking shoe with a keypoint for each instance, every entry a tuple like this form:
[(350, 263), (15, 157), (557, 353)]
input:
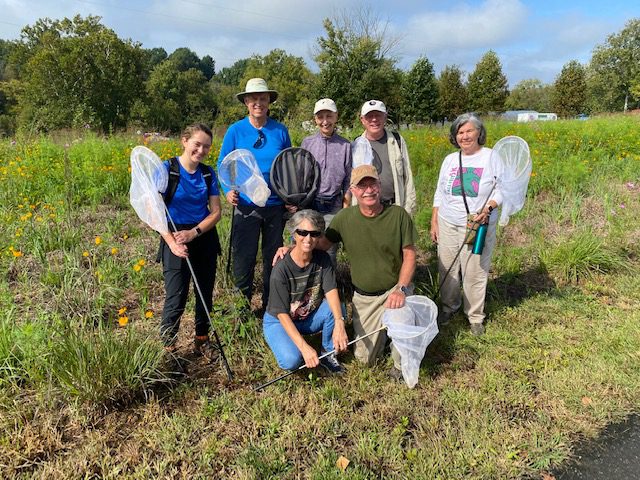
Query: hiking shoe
[(331, 364), (205, 349), (444, 318), (395, 374), (477, 329)]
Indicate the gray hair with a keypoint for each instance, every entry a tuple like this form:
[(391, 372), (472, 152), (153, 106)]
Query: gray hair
[(316, 219), (467, 118)]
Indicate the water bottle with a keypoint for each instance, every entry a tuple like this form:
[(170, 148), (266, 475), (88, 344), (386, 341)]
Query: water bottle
[(478, 243)]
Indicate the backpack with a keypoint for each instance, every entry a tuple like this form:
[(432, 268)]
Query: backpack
[(174, 178)]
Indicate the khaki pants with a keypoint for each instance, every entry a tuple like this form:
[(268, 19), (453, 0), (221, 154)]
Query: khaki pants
[(474, 270), (367, 317)]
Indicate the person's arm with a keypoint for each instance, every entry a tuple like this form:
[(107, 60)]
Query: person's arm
[(407, 269), (207, 223), (409, 187), (178, 249), (435, 232), (308, 352), (339, 336)]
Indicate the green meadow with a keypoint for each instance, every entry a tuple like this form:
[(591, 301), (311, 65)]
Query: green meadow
[(87, 392)]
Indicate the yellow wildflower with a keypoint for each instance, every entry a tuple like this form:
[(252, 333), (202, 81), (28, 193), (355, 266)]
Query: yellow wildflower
[(85, 254), (98, 240), (148, 314), (16, 253), (142, 262), (122, 310), (114, 250), (122, 321), (137, 268)]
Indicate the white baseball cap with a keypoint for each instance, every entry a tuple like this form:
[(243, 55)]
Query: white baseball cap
[(325, 104), (372, 105)]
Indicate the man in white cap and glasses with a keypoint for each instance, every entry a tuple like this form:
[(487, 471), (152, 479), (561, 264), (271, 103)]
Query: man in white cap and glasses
[(379, 241), (390, 157), (265, 138), (333, 154)]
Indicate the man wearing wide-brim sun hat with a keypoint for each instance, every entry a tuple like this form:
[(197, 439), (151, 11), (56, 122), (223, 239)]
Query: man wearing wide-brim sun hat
[(265, 138)]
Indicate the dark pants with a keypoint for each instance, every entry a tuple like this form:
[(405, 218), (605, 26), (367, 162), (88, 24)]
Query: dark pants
[(203, 254), (248, 224)]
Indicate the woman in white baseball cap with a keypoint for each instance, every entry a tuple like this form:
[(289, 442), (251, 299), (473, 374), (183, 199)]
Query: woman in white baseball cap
[(333, 154), (265, 138)]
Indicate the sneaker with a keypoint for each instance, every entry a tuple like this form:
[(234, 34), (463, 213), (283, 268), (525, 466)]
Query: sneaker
[(331, 364), (395, 374), (444, 318), (205, 349), (477, 329)]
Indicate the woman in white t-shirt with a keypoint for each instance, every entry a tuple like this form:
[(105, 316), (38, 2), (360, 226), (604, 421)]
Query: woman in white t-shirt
[(473, 195)]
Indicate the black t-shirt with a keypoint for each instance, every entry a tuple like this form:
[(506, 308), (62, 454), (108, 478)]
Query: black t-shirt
[(300, 291)]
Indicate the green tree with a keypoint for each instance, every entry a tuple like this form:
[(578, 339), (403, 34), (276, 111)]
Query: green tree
[(76, 72), (207, 66), (356, 65), (453, 99), (234, 74), (487, 85), (151, 58), (570, 90), (420, 93), (614, 71), (530, 94), (175, 98), (287, 74)]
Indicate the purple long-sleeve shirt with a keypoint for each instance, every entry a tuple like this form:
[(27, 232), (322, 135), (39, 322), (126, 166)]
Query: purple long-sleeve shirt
[(333, 155)]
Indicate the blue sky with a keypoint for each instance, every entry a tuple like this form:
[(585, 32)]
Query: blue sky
[(533, 39)]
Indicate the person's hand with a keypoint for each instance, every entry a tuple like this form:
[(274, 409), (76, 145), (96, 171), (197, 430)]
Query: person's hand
[(396, 299), (310, 356), (185, 236), (280, 254), (179, 249), (233, 197), (291, 208), (435, 231), (339, 336)]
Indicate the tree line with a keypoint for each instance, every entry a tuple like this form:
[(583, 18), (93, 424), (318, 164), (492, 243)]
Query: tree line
[(75, 73)]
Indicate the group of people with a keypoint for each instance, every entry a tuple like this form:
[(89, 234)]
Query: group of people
[(367, 208)]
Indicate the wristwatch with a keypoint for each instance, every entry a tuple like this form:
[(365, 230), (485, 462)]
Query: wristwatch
[(404, 290), (198, 231), (490, 208)]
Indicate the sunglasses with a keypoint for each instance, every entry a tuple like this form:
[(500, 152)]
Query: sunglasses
[(261, 139), (304, 233)]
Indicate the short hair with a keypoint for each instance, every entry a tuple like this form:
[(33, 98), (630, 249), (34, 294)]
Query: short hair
[(467, 118), (188, 132), (316, 219)]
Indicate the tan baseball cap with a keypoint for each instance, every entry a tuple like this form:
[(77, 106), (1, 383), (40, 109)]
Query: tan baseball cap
[(363, 171)]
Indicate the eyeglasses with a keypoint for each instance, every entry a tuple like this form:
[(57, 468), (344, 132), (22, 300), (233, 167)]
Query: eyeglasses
[(261, 139), (304, 233)]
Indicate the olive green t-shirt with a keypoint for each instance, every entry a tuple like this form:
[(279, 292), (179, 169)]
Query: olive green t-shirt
[(373, 244)]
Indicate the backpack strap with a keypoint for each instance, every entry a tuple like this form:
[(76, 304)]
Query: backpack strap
[(174, 180)]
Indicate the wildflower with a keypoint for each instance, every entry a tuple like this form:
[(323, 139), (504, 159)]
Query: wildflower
[(142, 262), (137, 268), (98, 240), (114, 251), (16, 253), (85, 254), (622, 205), (122, 310), (148, 314), (122, 321), (125, 236)]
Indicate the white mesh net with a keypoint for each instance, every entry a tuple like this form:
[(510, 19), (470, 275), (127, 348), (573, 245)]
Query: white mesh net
[(361, 152), (148, 177), (515, 170), (412, 328), (239, 171)]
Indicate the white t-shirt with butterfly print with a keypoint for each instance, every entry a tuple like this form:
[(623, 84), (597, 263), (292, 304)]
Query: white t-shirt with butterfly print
[(479, 172)]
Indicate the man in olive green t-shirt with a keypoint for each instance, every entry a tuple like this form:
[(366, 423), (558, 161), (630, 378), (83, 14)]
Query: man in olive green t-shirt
[(379, 241)]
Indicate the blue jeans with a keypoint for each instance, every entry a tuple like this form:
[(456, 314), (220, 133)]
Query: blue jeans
[(287, 354)]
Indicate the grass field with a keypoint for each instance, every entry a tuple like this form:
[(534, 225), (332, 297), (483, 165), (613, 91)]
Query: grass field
[(85, 391)]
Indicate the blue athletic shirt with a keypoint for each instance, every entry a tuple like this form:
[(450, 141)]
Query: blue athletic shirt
[(244, 135), (190, 204)]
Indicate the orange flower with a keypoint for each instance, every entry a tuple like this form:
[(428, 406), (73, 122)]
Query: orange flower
[(122, 310), (122, 321), (148, 314), (16, 253), (142, 262)]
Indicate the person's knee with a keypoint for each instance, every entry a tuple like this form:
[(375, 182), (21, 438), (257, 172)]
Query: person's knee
[(289, 360)]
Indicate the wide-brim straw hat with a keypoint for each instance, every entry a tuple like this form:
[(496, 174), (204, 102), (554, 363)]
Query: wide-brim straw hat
[(257, 85)]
